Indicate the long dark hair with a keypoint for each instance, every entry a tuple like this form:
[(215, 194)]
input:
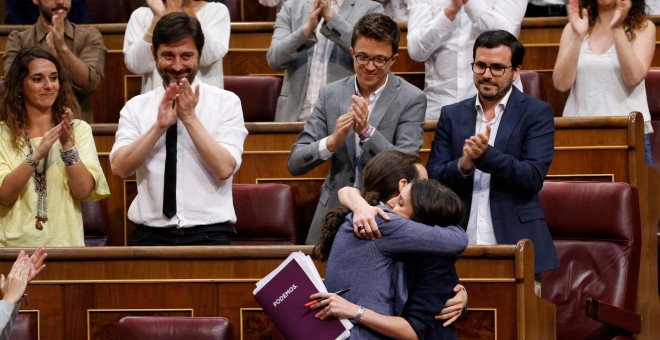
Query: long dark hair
[(435, 204), (12, 104)]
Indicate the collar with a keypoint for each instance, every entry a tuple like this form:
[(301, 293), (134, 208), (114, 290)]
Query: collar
[(41, 31), (374, 95), (502, 104)]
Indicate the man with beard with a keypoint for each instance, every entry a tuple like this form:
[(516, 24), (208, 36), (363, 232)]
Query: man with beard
[(494, 150), (79, 49), (184, 142)]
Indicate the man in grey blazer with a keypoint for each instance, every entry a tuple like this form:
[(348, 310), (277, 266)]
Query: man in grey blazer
[(304, 28), (359, 116)]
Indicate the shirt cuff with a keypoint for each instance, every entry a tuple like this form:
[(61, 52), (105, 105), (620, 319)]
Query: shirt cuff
[(465, 175), (324, 153), (367, 134)]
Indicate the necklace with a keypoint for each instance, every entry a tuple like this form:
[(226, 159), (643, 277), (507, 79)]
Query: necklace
[(39, 187)]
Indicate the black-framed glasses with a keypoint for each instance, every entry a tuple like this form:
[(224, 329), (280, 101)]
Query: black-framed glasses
[(495, 69), (378, 61)]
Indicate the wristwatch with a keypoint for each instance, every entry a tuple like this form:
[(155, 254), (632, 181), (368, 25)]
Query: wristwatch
[(356, 320)]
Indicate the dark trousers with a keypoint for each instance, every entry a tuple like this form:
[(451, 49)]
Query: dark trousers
[(545, 11), (211, 234)]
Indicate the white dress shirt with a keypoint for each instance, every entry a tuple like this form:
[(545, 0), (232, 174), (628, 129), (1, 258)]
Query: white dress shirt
[(446, 46), (214, 19), (201, 199), (318, 67), (480, 223)]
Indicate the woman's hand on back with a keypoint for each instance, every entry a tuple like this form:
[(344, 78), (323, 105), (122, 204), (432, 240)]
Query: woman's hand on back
[(364, 221)]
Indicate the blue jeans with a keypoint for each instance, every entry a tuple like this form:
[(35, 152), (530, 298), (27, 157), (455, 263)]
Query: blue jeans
[(647, 150)]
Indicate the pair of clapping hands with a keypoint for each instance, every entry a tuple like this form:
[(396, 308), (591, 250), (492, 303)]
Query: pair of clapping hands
[(62, 132), (179, 102), (579, 20), (22, 272), (356, 118)]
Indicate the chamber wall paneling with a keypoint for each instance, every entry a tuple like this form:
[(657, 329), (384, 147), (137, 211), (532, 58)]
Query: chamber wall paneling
[(601, 149), (84, 292), (250, 40), (606, 149)]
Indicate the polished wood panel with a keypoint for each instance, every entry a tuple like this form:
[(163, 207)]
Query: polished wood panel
[(250, 41), (607, 148), (86, 291)]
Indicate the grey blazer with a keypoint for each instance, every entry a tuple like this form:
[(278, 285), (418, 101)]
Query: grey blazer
[(291, 52), (398, 117)]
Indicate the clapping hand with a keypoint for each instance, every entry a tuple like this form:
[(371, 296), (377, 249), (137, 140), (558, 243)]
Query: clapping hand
[(579, 20), (14, 285), (620, 13)]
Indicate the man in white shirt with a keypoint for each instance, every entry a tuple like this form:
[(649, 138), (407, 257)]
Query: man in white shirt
[(441, 34), (184, 142)]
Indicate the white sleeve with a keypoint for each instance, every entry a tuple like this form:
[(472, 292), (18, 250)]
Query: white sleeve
[(427, 30), (499, 15), (8, 314), (216, 27), (137, 52)]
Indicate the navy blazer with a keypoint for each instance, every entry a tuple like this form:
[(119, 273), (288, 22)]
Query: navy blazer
[(518, 164)]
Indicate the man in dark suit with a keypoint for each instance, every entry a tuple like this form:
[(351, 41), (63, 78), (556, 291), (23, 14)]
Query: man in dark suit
[(494, 151), (359, 116)]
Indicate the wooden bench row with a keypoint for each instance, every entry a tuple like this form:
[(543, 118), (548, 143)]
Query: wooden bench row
[(250, 41)]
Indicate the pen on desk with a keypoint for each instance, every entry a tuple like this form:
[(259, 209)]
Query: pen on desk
[(308, 304)]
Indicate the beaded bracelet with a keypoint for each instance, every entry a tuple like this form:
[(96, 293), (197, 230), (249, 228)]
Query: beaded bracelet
[(31, 162), (71, 156), (367, 133)]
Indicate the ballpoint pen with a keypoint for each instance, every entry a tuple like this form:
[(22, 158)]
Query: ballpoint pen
[(310, 303)]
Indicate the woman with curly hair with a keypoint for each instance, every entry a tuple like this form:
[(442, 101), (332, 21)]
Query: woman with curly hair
[(605, 52), (48, 160)]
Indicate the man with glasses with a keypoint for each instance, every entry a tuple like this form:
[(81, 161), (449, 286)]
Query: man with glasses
[(311, 45), (441, 34), (494, 150), (359, 116)]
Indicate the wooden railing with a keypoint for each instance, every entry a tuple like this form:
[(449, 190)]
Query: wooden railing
[(84, 292)]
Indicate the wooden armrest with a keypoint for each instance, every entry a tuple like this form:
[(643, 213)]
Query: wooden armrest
[(614, 316)]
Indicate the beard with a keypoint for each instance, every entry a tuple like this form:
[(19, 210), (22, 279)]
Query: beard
[(48, 13), (169, 75), (497, 91)]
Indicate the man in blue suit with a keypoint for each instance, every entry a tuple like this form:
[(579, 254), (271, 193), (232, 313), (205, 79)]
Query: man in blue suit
[(494, 151)]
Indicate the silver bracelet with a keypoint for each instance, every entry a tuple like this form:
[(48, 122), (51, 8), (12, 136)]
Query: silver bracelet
[(70, 157), (356, 320), (30, 161)]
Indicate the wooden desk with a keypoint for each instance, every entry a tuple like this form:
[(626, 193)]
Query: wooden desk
[(603, 149), (84, 292)]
